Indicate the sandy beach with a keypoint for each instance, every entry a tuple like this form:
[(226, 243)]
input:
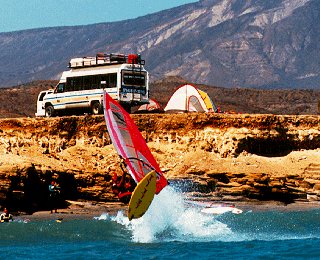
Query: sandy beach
[(90, 210)]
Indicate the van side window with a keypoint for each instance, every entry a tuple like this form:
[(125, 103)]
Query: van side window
[(42, 96), (60, 88), (108, 80), (113, 80)]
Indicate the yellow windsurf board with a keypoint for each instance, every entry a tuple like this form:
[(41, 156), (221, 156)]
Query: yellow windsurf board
[(142, 196)]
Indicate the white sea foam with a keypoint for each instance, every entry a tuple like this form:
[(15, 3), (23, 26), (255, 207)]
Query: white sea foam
[(168, 219), (103, 216)]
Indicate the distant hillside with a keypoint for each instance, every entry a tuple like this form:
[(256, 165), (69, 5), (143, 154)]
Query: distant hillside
[(227, 43), (20, 101)]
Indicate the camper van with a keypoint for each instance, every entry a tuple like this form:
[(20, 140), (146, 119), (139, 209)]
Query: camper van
[(81, 88)]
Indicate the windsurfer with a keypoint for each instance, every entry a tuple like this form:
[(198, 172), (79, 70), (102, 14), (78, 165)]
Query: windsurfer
[(124, 185)]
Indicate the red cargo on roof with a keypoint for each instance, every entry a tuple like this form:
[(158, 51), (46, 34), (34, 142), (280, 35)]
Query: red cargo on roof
[(133, 59)]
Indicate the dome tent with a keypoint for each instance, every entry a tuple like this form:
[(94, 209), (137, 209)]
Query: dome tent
[(188, 98), (152, 107)]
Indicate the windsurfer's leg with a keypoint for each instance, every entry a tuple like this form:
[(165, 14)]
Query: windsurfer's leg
[(125, 197)]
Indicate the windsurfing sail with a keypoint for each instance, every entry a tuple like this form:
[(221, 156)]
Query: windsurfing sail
[(130, 144)]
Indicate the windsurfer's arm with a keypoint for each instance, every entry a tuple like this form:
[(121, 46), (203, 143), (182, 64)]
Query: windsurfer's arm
[(124, 171), (123, 165), (123, 179)]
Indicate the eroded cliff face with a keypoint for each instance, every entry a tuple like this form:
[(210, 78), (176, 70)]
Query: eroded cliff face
[(225, 157)]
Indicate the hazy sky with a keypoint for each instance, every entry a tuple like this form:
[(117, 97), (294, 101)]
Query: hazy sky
[(26, 14)]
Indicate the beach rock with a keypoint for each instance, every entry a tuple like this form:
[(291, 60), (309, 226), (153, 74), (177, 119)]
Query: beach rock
[(316, 187)]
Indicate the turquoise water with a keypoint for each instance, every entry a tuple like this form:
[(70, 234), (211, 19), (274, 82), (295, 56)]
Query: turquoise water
[(169, 230)]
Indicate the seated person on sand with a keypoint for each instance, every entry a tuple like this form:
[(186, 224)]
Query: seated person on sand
[(6, 216), (124, 185)]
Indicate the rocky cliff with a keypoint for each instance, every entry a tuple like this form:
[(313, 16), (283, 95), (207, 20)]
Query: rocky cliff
[(217, 156)]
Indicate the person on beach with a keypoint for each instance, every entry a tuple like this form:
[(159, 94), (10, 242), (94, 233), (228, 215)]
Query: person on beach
[(6, 216), (54, 196), (124, 185)]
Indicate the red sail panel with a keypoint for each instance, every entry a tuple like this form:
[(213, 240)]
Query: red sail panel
[(130, 144)]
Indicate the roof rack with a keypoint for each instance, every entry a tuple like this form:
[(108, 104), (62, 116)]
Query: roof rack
[(106, 59)]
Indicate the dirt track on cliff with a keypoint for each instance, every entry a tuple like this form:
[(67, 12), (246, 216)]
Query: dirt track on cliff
[(225, 157)]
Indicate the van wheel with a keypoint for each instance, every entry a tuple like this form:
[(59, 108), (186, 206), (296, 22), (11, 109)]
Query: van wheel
[(49, 111), (96, 108)]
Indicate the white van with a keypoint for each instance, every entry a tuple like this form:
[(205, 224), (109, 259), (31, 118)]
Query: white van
[(81, 88)]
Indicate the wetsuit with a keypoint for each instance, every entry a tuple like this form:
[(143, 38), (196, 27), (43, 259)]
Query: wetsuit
[(123, 187), (54, 196)]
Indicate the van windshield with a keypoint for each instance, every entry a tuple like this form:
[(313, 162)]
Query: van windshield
[(130, 78)]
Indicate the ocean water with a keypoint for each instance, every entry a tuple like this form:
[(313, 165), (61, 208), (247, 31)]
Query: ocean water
[(169, 230)]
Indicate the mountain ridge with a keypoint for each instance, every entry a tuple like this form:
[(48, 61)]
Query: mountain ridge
[(227, 43)]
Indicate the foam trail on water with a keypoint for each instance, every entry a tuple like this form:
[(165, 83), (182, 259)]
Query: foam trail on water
[(103, 216), (169, 219)]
